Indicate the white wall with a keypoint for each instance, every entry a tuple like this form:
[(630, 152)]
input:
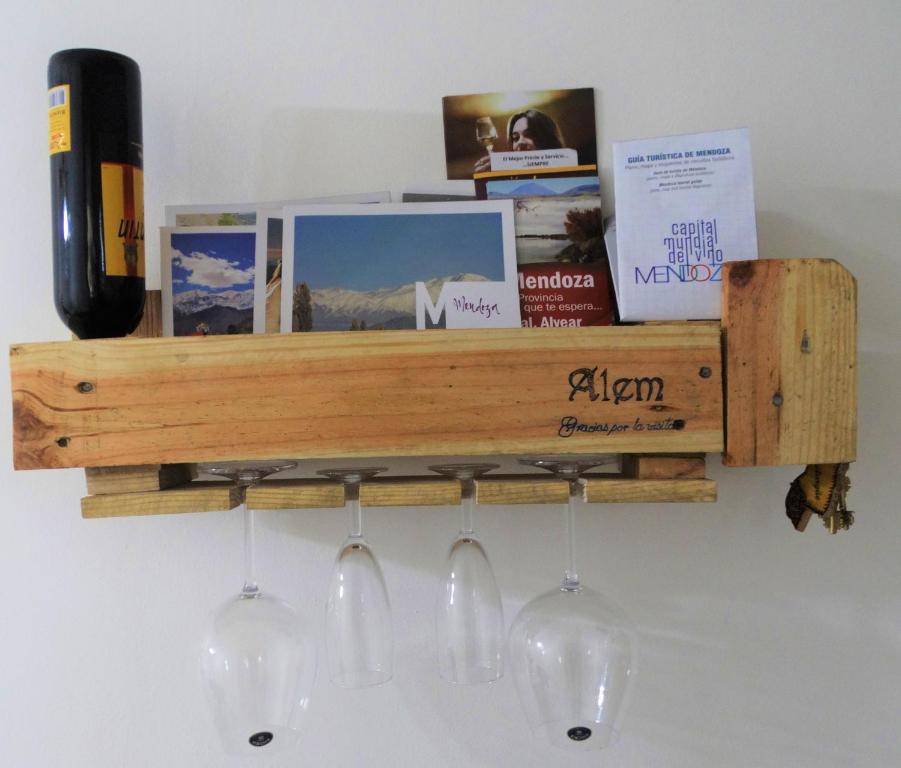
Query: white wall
[(761, 647)]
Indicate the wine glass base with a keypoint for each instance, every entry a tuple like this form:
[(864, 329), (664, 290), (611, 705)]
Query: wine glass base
[(578, 735), (265, 741)]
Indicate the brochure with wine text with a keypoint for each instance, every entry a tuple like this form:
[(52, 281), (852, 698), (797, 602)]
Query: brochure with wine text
[(392, 266), (684, 206)]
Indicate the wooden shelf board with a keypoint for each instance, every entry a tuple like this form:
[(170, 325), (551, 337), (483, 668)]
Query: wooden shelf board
[(394, 492), (114, 402)]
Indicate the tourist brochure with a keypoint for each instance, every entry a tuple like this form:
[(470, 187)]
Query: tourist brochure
[(392, 266), (684, 206), (564, 278)]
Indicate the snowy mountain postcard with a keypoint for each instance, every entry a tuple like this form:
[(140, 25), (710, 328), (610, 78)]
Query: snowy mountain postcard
[(208, 280), (393, 266)]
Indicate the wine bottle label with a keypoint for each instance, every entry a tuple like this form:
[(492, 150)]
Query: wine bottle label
[(60, 119), (122, 186)]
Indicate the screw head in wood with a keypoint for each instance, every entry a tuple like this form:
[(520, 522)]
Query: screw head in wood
[(705, 372), (777, 399), (84, 387)]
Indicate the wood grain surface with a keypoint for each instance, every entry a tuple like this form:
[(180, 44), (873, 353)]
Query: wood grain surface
[(790, 339), (357, 394), (195, 497), (394, 492)]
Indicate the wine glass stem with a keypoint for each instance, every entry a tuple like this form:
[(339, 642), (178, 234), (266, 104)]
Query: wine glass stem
[(352, 504), (571, 576), (250, 583), (467, 505)]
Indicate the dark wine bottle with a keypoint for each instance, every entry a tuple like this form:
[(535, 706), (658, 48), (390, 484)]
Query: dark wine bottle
[(97, 191)]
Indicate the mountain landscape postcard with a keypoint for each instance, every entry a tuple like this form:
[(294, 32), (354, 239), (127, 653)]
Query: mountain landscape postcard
[(560, 186), (208, 280), (393, 266)]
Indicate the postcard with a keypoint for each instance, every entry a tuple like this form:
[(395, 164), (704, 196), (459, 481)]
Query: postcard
[(407, 265), (684, 206), (267, 219), (440, 192), (245, 214), (538, 178), (534, 186), (490, 131), (208, 280)]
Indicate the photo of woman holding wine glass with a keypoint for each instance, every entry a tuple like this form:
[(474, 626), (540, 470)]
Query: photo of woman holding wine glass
[(516, 121), (528, 130)]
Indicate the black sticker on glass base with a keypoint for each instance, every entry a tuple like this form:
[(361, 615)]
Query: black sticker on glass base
[(261, 739), (579, 733)]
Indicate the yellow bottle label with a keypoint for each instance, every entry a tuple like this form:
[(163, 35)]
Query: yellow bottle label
[(122, 187), (60, 119)]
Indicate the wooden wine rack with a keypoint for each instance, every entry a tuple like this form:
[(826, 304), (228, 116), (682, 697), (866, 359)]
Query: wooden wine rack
[(141, 413)]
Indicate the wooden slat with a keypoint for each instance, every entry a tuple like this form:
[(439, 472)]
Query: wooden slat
[(521, 489), (396, 393), (148, 477), (391, 492), (643, 466), (295, 494), (790, 332), (195, 497), (410, 492), (515, 489), (624, 490), (386, 492)]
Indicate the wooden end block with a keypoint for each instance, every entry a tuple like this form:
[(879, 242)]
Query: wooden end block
[(790, 357), (135, 479), (649, 466)]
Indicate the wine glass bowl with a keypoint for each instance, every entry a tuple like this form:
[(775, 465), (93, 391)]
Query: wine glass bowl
[(572, 649), (571, 655), (469, 614), (259, 664), (358, 613), (259, 658)]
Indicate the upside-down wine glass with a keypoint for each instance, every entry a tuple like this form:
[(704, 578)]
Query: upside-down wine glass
[(572, 649), (259, 656), (358, 614), (469, 615)]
